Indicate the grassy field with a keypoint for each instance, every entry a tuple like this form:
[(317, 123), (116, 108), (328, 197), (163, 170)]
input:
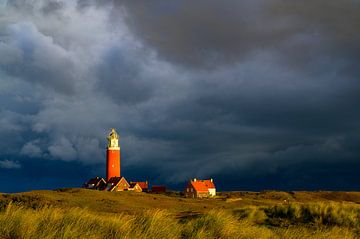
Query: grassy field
[(80, 213)]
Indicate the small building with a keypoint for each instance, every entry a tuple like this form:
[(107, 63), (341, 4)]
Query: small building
[(134, 186), (96, 183), (200, 188), (158, 189), (144, 186), (117, 184)]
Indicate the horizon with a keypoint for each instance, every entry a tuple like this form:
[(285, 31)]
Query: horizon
[(258, 95)]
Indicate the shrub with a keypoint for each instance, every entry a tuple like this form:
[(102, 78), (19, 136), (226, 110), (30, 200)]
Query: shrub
[(253, 214), (328, 214)]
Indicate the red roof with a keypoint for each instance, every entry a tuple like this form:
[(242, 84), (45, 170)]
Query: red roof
[(199, 186), (143, 185), (202, 185), (209, 183)]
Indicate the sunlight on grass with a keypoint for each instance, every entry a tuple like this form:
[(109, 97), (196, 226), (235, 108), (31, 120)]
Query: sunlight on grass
[(317, 220)]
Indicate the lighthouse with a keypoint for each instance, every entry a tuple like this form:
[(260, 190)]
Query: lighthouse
[(113, 156)]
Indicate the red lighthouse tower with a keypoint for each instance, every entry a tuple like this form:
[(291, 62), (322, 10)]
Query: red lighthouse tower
[(113, 156)]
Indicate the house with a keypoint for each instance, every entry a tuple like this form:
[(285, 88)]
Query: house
[(95, 183), (117, 184), (200, 188), (158, 189), (134, 186), (144, 185)]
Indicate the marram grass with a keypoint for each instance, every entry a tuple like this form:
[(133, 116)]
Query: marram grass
[(318, 220)]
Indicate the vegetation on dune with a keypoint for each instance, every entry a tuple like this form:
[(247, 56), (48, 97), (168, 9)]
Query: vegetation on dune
[(320, 213), (313, 220)]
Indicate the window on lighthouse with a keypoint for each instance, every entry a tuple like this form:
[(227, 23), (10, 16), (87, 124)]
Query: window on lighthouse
[(113, 139), (114, 143)]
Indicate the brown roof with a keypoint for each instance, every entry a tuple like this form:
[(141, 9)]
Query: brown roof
[(95, 183), (95, 180), (113, 182)]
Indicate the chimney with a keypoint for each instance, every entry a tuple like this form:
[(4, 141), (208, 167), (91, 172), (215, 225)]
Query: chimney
[(211, 180), (194, 180)]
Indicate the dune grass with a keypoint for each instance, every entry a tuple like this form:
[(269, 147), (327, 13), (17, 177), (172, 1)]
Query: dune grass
[(318, 214), (313, 220)]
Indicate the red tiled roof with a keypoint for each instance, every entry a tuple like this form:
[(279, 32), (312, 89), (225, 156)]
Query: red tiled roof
[(202, 185), (209, 184), (143, 185), (199, 186)]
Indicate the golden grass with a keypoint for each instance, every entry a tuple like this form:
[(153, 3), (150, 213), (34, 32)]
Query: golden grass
[(319, 213), (79, 213), (333, 220)]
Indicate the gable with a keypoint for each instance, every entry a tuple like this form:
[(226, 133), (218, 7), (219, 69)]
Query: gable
[(123, 182)]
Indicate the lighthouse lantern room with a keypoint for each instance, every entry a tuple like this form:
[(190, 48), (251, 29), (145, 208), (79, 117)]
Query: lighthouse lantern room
[(113, 155)]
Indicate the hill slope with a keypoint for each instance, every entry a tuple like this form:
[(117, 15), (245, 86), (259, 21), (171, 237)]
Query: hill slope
[(114, 202), (80, 213)]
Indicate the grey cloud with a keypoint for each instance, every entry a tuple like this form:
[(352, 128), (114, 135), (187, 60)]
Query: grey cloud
[(32, 149), (42, 61), (121, 77), (7, 164), (276, 93), (216, 33), (63, 149), (10, 122), (9, 54), (261, 163), (46, 80), (52, 6), (202, 32)]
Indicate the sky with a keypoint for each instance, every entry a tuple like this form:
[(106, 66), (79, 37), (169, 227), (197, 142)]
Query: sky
[(258, 95)]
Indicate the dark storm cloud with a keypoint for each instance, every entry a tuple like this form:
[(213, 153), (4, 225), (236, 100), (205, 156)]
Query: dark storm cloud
[(203, 31), (52, 7), (40, 61), (215, 33), (246, 92), (287, 77), (122, 72)]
